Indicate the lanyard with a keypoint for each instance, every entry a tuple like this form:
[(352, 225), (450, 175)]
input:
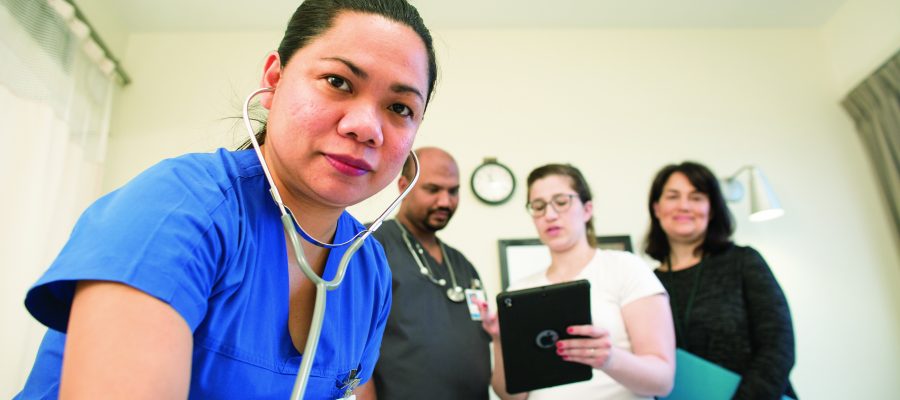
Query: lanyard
[(683, 324)]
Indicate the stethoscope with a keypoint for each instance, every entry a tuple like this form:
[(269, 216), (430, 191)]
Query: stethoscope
[(291, 227), (456, 293)]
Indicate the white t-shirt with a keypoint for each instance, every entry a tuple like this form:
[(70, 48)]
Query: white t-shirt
[(617, 278)]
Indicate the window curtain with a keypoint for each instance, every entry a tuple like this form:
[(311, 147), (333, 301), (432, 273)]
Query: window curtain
[(55, 96), (874, 106)]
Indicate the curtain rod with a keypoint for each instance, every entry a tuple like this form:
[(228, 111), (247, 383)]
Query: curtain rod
[(96, 38)]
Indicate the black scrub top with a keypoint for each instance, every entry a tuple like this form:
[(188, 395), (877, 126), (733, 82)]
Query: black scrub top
[(431, 345)]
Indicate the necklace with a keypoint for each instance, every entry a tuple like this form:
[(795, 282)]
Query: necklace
[(682, 321), (455, 293)]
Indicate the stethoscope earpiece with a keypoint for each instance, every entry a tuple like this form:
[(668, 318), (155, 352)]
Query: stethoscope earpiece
[(285, 211)]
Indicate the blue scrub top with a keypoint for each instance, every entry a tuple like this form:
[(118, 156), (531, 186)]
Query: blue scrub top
[(201, 233)]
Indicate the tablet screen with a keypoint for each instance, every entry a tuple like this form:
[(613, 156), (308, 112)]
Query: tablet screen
[(531, 322)]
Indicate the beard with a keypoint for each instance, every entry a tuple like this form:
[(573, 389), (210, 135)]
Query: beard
[(434, 221)]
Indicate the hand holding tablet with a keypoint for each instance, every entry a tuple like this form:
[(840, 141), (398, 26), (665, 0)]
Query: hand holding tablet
[(533, 323)]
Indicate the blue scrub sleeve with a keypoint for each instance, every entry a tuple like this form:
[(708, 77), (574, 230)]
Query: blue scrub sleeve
[(162, 233)]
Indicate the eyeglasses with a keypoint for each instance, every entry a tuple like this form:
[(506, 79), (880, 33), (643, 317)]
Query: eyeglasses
[(560, 203)]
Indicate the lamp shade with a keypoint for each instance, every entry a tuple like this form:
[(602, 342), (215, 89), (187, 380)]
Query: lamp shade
[(763, 203)]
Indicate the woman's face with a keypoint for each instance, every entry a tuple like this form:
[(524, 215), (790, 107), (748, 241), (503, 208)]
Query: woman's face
[(562, 224), (683, 212), (345, 109)]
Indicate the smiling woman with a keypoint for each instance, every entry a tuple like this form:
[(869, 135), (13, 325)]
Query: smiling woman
[(182, 284), (727, 305)]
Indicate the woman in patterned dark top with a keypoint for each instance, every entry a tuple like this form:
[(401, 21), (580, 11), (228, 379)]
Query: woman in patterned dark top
[(728, 307)]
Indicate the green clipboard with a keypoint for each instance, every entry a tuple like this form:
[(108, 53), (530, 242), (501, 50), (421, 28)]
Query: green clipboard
[(699, 379)]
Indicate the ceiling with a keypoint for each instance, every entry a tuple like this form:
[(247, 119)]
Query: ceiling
[(266, 15)]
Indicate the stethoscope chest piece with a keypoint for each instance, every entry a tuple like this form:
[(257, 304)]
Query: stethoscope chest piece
[(456, 294)]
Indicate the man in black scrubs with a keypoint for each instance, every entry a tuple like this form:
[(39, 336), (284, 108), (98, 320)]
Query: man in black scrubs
[(432, 347)]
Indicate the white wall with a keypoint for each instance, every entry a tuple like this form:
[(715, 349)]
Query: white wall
[(859, 37), (187, 88), (105, 17), (618, 104)]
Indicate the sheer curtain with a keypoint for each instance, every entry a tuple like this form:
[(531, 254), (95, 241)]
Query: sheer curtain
[(55, 96)]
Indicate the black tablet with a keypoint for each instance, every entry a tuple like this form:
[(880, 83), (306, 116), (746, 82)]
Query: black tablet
[(531, 322)]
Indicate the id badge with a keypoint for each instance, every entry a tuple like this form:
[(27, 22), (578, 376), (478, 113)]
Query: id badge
[(473, 297)]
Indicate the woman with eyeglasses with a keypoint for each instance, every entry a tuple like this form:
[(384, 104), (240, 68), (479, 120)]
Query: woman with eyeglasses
[(631, 343)]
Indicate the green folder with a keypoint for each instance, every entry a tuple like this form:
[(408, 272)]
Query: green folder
[(698, 379)]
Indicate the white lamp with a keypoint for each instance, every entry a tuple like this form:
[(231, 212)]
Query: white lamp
[(763, 203)]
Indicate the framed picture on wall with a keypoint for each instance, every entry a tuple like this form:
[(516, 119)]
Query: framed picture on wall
[(522, 257)]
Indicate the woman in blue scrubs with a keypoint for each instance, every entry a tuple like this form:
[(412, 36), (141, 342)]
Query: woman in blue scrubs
[(182, 283)]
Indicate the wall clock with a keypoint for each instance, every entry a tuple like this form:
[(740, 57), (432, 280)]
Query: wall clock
[(492, 182)]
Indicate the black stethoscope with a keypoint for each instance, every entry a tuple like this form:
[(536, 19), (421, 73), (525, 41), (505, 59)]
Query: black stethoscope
[(455, 293)]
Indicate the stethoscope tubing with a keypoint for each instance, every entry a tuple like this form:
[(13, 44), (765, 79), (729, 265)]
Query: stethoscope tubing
[(291, 227)]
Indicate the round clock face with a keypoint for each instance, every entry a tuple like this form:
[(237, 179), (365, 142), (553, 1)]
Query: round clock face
[(493, 183)]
